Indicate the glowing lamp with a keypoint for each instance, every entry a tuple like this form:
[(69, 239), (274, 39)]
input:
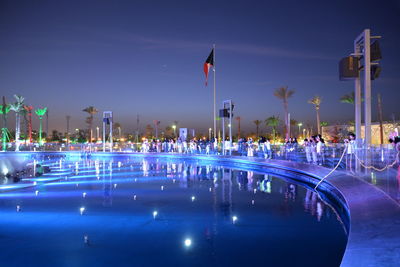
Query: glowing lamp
[(86, 239), (188, 242), (234, 219)]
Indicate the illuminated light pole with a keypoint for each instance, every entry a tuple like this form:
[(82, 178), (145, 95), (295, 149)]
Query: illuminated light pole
[(209, 133), (40, 112), (300, 124), (97, 133), (174, 127)]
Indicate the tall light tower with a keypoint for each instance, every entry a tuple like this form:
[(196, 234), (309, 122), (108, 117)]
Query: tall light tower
[(365, 58)]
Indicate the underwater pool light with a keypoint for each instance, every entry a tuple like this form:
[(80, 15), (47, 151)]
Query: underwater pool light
[(188, 242), (234, 219)]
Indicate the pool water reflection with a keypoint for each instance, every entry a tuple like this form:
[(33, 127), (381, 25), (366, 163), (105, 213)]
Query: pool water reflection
[(130, 211)]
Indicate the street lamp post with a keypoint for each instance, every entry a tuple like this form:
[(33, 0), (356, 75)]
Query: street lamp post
[(174, 127), (97, 133), (300, 124), (209, 133)]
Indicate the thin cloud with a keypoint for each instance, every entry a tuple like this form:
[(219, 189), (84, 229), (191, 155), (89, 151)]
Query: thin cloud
[(258, 50)]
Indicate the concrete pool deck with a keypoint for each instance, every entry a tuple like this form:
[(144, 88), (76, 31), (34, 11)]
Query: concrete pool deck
[(374, 225)]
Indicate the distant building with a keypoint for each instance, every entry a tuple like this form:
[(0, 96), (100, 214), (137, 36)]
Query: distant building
[(336, 133)]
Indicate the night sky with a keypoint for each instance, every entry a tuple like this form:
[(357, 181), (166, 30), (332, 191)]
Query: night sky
[(146, 58)]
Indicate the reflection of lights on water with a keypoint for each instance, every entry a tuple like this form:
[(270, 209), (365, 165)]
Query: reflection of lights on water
[(84, 194), (193, 198), (234, 219), (210, 189), (36, 192), (18, 208), (135, 179), (173, 180), (5, 170), (77, 185), (155, 213), (252, 202), (119, 164), (115, 186), (134, 197), (34, 183), (86, 239), (82, 210), (162, 188), (188, 242), (255, 190)]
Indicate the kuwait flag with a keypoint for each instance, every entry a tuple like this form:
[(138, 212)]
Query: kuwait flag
[(209, 63)]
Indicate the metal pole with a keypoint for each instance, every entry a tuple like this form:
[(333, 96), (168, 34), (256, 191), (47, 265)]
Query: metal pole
[(104, 134), (357, 106), (230, 127), (215, 115), (111, 133), (223, 135), (367, 88)]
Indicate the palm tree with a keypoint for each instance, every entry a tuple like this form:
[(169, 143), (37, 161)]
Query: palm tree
[(349, 98), (89, 120), (316, 101), (273, 122), (284, 94), (257, 123), (4, 109), (238, 119), (17, 107), (40, 112)]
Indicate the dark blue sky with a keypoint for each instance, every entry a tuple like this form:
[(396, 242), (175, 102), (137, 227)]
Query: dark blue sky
[(146, 57)]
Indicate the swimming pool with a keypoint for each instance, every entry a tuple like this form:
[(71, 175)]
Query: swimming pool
[(150, 211)]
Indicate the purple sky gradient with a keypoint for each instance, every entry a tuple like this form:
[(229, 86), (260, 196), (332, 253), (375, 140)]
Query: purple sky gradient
[(146, 58)]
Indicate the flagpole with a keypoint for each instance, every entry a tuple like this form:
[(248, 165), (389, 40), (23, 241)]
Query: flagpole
[(215, 122)]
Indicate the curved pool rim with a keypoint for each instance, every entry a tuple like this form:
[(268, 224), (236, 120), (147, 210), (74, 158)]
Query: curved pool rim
[(373, 218)]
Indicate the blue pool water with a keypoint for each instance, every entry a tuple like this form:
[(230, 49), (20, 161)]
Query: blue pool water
[(278, 223)]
